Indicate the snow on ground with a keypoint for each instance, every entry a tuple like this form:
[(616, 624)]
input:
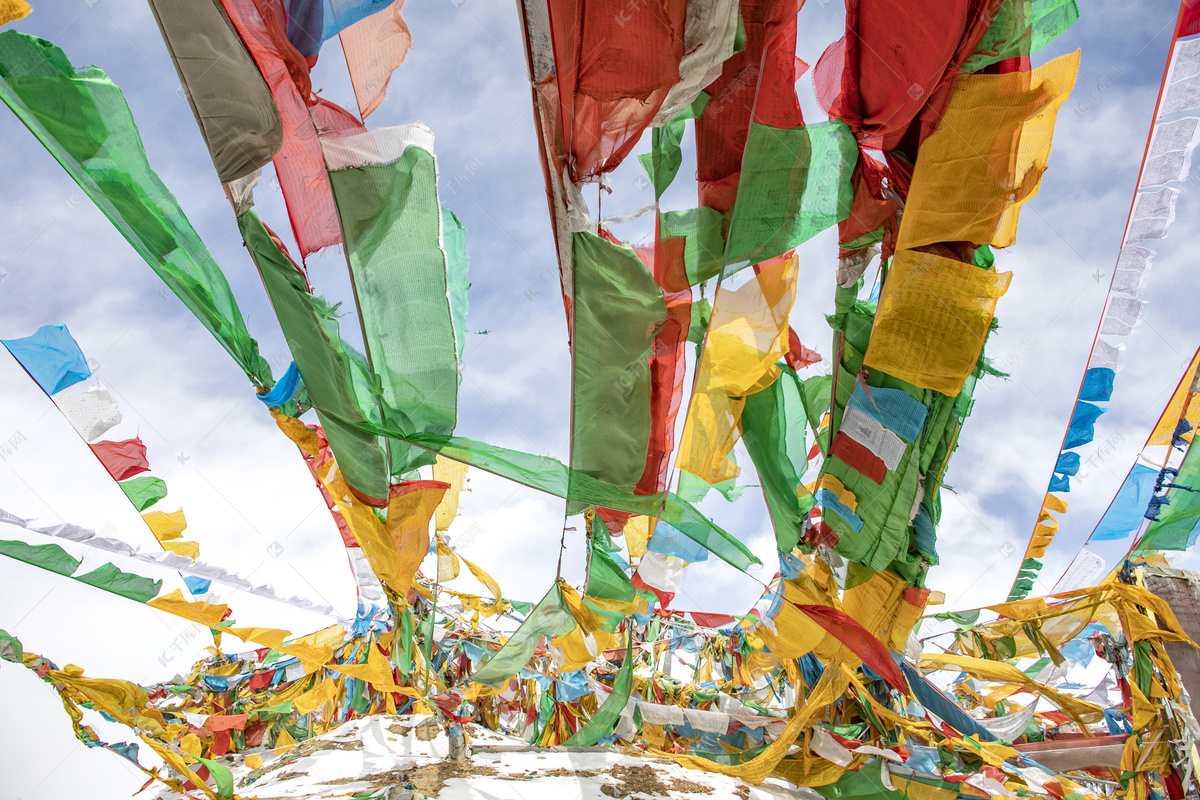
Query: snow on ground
[(389, 756)]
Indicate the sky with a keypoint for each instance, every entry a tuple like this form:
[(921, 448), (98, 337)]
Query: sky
[(250, 501)]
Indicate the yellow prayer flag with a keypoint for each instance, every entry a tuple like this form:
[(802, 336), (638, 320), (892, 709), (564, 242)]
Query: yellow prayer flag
[(165, 525), (933, 320), (747, 335), (315, 697), (13, 10), (455, 474), (987, 156), (207, 614), (1164, 429)]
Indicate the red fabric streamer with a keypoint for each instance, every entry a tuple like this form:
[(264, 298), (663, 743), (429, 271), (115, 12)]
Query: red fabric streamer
[(261, 680), (256, 732), (857, 457), (667, 363), (613, 72), (664, 598), (749, 84), (122, 459), (220, 745), (262, 27), (890, 77), (820, 533), (224, 722), (870, 208), (706, 620), (798, 356), (859, 641)]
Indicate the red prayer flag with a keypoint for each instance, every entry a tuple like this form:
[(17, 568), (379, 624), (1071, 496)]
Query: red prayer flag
[(855, 456), (859, 641), (122, 459)]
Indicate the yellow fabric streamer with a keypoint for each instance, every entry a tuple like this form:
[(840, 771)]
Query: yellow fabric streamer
[(933, 319), (1080, 710), (455, 474), (1165, 429), (13, 10), (448, 565), (316, 697), (986, 157), (116, 697), (831, 483), (178, 763), (756, 770), (1055, 503), (747, 335), (168, 528), (410, 508), (166, 525), (207, 614), (638, 531)]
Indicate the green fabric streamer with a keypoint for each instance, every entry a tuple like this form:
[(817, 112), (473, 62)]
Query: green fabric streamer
[(961, 619), (126, 584), (773, 430), (144, 491), (454, 238), (605, 719), (704, 231), (693, 489), (1143, 667), (867, 782), (391, 222), (81, 117), (666, 154), (700, 319), (1021, 28), (618, 308), (605, 578), (816, 393), (47, 556), (553, 477), (221, 776), (1178, 522), (330, 372), (403, 654), (795, 183), (550, 617)]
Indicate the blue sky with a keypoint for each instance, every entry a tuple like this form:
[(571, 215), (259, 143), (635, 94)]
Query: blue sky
[(250, 501)]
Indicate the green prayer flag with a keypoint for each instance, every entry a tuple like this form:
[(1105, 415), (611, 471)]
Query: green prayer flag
[(704, 232), (81, 117), (331, 373), (520, 606), (618, 310), (550, 617), (47, 556), (126, 584), (666, 154), (144, 491), (795, 183), (385, 186), (221, 776), (454, 236), (773, 430), (553, 477), (1178, 522), (605, 719), (1021, 28), (693, 488)]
